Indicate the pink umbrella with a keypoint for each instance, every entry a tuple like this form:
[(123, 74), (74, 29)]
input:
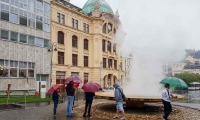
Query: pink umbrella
[(91, 87), (53, 88), (76, 79)]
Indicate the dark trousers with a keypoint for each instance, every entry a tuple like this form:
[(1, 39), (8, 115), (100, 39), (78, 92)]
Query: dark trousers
[(55, 106), (167, 109), (88, 105)]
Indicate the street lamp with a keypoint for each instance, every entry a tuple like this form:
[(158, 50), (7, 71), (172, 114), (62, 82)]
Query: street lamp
[(52, 48)]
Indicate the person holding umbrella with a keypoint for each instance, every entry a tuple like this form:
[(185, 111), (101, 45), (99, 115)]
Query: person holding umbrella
[(166, 100), (70, 94), (90, 88), (89, 96), (55, 98)]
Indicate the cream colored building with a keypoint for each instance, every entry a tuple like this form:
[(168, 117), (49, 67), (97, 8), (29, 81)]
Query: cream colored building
[(84, 41)]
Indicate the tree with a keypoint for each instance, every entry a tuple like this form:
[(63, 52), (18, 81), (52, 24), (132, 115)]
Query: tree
[(188, 77)]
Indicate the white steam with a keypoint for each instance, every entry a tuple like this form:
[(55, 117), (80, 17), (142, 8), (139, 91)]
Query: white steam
[(158, 32)]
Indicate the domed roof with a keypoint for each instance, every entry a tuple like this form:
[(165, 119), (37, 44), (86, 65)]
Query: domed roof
[(103, 5)]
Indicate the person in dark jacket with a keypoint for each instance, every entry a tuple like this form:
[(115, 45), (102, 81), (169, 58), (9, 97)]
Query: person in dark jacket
[(55, 98), (119, 102), (70, 90), (89, 99)]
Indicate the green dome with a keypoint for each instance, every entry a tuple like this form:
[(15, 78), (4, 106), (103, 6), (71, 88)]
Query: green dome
[(103, 5)]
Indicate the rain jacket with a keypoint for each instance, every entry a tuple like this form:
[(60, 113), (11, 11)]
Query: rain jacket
[(118, 95)]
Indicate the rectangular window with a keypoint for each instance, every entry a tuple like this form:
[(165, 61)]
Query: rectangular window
[(86, 77), (74, 59), (39, 41), (115, 64), (31, 40), (63, 19), (85, 61), (13, 68), (13, 72), (110, 63), (46, 27), (3, 68), (76, 24), (109, 46), (87, 28), (46, 43), (72, 23), (14, 36), (60, 57), (39, 25), (31, 5), (47, 9), (85, 44), (4, 34), (31, 23), (4, 12), (23, 38), (121, 65), (58, 17), (104, 63), (31, 73), (84, 27), (23, 20), (22, 73), (39, 4), (114, 47), (13, 18), (103, 45)]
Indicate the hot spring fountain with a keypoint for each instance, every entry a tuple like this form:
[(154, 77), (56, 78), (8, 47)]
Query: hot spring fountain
[(158, 32)]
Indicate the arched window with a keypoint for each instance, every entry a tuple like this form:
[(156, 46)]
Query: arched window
[(85, 44), (104, 28), (60, 37), (74, 41)]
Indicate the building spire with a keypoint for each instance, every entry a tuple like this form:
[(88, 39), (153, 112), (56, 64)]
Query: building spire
[(96, 11)]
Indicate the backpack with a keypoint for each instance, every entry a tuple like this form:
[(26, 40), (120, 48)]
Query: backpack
[(123, 96)]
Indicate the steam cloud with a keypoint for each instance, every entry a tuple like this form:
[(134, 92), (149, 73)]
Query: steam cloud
[(158, 32)]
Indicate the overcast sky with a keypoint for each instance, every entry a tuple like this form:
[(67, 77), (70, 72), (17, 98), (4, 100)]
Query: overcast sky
[(158, 22)]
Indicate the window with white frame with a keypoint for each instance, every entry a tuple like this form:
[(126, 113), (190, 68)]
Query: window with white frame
[(3, 68), (39, 41), (13, 36), (4, 12), (31, 69), (23, 69), (13, 68), (41, 77)]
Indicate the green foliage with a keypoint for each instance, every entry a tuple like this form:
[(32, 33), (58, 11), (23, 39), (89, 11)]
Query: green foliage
[(22, 99), (188, 77)]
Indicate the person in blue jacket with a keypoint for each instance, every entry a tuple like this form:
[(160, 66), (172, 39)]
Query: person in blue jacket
[(55, 98)]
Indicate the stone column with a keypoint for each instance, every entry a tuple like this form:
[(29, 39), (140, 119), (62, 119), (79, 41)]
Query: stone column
[(106, 81), (112, 80)]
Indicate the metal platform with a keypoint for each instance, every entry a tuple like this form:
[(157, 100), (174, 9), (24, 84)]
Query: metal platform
[(135, 101)]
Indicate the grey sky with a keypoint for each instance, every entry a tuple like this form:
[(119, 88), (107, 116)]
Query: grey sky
[(158, 22)]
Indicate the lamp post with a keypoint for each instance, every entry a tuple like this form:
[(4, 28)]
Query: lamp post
[(52, 48)]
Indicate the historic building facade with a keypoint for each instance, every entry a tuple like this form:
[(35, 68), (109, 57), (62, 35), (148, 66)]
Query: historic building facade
[(84, 39), (24, 42)]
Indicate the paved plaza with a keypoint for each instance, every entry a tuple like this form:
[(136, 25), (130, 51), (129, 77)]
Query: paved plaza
[(45, 113)]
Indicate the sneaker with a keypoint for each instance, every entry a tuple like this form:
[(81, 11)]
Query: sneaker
[(55, 114), (84, 116), (89, 115), (115, 117), (122, 118)]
